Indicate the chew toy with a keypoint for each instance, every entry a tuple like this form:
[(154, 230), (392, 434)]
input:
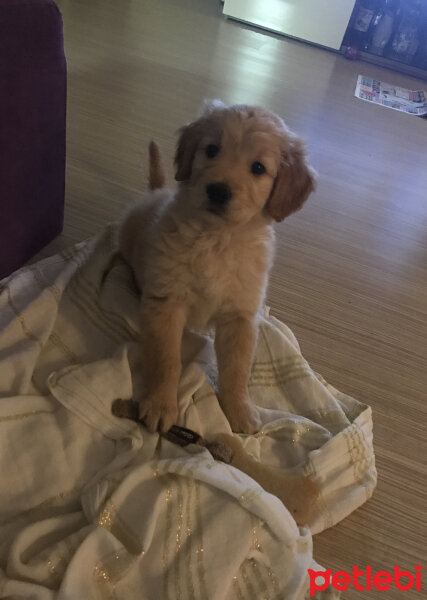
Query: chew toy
[(297, 492)]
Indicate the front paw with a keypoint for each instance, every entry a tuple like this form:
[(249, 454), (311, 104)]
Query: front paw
[(159, 412), (243, 417)]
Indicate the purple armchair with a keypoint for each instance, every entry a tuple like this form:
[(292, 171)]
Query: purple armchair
[(32, 129)]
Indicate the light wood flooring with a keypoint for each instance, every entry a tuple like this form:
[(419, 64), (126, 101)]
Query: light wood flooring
[(350, 276)]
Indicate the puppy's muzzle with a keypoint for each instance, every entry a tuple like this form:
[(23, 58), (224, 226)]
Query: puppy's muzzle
[(219, 194)]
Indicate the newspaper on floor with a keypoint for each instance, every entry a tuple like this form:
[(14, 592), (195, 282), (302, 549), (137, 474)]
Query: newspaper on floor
[(413, 102)]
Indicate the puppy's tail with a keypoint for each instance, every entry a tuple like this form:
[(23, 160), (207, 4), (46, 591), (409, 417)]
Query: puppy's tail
[(156, 179)]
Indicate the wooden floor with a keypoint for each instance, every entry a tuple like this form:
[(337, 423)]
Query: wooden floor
[(350, 276)]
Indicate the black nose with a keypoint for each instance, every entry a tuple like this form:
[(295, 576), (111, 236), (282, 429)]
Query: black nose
[(219, 193)]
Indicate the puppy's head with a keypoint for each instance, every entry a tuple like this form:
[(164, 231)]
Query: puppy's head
[(239, 161)]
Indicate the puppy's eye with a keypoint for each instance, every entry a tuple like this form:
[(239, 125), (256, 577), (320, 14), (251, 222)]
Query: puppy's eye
[(257, 168), (211, 150)]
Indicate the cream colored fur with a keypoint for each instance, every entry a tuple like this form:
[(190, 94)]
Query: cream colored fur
[(201, 265)]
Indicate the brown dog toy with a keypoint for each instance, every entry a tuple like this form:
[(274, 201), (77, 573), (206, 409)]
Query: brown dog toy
[(297, 492)]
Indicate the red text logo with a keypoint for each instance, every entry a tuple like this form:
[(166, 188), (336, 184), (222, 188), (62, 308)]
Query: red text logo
[(365, 580)]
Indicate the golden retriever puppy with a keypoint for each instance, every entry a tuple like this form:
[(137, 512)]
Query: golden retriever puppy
[(201, 255)]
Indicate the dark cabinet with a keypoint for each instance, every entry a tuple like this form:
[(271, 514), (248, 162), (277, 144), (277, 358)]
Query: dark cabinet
[(389, 32)]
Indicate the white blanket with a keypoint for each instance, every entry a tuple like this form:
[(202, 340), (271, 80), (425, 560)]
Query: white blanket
[(93, 507)]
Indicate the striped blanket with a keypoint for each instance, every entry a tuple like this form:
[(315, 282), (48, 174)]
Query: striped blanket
[(92, 506)]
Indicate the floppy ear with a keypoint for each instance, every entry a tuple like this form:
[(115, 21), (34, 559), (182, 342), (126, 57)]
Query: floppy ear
[(190, 136), (185, 150), (294, 183)]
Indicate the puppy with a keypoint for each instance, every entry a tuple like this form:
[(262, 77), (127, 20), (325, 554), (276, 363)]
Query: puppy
[(201, 255)]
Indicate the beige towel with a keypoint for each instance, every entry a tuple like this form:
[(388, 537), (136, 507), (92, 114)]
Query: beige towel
[(92, 506)]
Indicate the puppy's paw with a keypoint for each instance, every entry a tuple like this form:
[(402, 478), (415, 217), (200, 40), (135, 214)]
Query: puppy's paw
[(243, 417), (159, 412)]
